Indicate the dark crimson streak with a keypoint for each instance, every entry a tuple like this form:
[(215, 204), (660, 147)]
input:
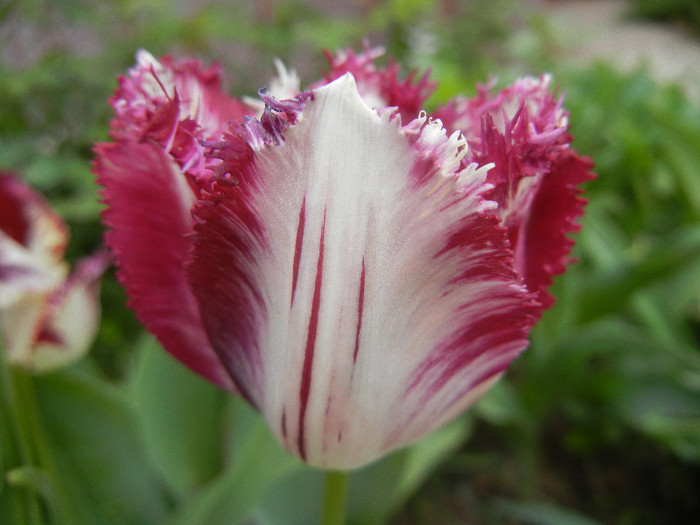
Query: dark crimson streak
[(310, 344), (360, 306), (298, 247)]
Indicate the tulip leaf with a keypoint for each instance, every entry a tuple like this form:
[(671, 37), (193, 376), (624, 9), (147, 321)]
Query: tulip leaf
[(611, 290), (603, 242), (293, 500), (180, 414), (665, 410), (681, 150), (94, 437), (500, 405), (257, 462)]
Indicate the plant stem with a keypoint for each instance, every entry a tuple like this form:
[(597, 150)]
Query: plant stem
[(25, 501), (58, 499), (335, 492)]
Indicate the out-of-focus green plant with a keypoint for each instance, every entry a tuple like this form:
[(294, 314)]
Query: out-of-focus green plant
[(629, 322), (685, 12)]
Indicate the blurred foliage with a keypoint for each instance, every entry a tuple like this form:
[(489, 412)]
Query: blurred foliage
[(682, 12), (607, 396)]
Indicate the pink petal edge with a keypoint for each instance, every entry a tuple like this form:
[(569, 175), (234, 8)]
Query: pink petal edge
[(536, 177)]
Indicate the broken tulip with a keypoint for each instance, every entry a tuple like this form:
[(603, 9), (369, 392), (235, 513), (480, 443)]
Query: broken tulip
[(361, 271)]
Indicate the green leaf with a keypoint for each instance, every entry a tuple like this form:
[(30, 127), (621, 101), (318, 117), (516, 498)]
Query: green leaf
[(665, 410), (609, 291), (681, 151), (181, 417), (257, 461), (500, 405), (95, 438)]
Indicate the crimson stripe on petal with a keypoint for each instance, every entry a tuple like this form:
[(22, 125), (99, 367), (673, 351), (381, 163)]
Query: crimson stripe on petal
[(310, 345), (297, 248), (360, 305)]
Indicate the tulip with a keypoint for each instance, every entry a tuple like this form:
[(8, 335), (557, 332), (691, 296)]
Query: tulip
[(359, 270), (48, 317)]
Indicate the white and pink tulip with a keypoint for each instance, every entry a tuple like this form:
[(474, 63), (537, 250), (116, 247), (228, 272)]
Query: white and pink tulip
[(48, 316), (359, 270)]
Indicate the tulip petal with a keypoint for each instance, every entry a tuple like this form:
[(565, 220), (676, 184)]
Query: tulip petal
[(28, 220), (71, 317), (175, 104), (545, 244), (32, 243), (164, 110), (353, 279), (149, 217), (380, 86), (536, 177)]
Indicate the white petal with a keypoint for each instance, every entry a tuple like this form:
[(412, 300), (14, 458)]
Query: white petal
[(355, 285)]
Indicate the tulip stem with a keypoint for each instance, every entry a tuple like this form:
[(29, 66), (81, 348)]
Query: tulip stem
[(56, 496), (25, 502), (335, 492)]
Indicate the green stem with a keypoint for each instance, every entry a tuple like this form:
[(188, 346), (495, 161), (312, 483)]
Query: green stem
[(25, 502), (59, 500), (335, 493)]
